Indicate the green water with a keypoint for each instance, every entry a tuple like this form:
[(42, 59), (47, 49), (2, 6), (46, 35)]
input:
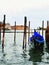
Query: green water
[(15, 55)]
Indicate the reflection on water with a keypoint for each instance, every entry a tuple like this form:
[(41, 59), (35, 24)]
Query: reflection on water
[(35, 55), (39, 56)]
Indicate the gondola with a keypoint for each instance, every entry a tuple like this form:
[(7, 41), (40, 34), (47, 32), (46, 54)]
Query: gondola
[(37, 40)]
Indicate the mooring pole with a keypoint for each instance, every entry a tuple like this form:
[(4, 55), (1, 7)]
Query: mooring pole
[(34, 40), (28, 32), (42, 27), (38, 30), (0, 33), (3, 34), (47, 23), (24, 36), (15, 34)]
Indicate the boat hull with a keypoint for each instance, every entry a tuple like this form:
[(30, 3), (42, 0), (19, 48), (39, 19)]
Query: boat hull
[(38, 45)]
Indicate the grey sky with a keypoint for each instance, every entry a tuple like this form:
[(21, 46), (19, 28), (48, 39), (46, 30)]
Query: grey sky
[(15, 10)]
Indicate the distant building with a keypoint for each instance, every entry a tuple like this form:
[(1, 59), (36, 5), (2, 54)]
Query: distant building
[(1, 25), (18, 27), (7, 26)]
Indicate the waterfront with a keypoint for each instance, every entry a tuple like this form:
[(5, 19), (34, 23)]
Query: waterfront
[(15, 55)]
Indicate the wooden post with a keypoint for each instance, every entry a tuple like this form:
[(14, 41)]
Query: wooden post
[(42, 27), (0, 33), (3, 34), (31, 31), (24, 36), (38, 30), (15, 34), (0, 36), (28, 32), (34, 40), (47, 23)]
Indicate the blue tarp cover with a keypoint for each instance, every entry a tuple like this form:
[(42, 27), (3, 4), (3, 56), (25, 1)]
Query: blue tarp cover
[(37, 37)]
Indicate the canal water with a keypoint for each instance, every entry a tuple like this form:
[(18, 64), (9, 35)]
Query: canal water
[(15, 55)]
